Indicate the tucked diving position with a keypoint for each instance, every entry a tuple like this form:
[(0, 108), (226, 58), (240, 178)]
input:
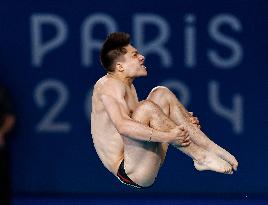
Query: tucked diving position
[(131, 137)]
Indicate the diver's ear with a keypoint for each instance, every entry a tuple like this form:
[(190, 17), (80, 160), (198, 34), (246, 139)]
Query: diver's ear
[(119, 67)]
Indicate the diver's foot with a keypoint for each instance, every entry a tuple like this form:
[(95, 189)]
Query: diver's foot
[(214, 163)]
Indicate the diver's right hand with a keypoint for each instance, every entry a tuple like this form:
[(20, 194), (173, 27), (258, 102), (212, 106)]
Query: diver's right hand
[(180, 136)]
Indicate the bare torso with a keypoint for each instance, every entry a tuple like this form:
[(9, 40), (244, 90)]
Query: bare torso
[(141, 158)]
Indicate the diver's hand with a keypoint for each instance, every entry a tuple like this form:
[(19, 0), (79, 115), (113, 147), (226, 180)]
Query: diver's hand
[(179, 136), (194, 120)]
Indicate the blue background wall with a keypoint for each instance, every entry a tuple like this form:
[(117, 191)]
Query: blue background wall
[(212, 54)]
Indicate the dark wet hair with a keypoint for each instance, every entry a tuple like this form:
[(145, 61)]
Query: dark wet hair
[(112, 48)]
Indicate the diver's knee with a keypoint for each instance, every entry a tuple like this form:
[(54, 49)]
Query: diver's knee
[(159, 94), (160, 90)]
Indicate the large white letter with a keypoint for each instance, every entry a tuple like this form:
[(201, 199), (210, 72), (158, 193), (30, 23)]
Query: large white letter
[(234, 115), (190, 41), (39, 48), (88, 44), (156, 45), (236, 49)]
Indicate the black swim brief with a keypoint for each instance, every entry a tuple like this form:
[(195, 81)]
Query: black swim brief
[(123, 177)]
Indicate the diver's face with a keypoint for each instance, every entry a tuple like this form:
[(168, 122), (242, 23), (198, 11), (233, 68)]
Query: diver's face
[(133, 62)]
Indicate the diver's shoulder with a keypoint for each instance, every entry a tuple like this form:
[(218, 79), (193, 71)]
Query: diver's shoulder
[(109, 86), (106, 81)]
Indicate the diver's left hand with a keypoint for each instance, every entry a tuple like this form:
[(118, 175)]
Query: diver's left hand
[(194, 120)]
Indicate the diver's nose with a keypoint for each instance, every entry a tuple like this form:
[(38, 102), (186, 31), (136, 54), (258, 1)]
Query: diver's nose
[(142, 58)]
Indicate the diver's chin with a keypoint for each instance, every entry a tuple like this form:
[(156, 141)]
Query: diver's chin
[(143, 73)]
